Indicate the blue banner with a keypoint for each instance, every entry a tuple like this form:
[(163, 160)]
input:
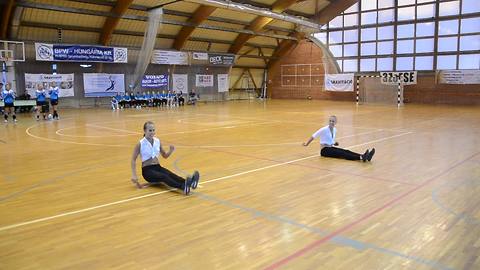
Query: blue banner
[(80, 53), (155, 81)]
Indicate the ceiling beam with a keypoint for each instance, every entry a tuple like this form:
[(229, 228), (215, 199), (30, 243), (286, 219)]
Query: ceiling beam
[(133, 33), (200, 15), (28, 4), (332, 10), (119, 9), (258, 24), (186, 14), (7, 12)]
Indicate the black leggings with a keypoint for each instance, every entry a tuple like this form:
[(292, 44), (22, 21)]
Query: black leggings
[(335, 152), (158, 174)]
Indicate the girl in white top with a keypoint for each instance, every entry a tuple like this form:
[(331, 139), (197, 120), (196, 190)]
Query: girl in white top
[(149, 148), (327, 143)]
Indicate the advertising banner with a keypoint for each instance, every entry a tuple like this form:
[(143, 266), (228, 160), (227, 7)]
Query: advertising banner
[(162, 57), (204, 80), (80, 53), (466, 76), (155, 81), (223, 82), (64, 82), (103, 85), (218, 59), (339, 82), (180, 83)]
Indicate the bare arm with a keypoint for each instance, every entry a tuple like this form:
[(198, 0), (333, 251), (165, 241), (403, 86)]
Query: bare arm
[(308, 142), (136, 152), (170, 151)]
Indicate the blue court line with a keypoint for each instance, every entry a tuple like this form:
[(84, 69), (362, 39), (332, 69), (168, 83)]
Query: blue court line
[(340, 240), (459, 216)]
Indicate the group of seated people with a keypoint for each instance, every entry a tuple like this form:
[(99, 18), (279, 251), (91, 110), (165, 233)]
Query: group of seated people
[(152, 99)]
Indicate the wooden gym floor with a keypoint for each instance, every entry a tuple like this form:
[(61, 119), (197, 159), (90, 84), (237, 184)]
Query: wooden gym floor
[(265, 201)]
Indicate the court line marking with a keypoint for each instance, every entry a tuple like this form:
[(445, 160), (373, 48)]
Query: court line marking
[(8, 227), (339, 240), (465, 216), (366, 216)]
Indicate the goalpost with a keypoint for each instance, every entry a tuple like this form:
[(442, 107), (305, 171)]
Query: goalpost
[(383, 88)]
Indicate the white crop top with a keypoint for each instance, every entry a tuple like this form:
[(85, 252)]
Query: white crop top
[(147, 150)]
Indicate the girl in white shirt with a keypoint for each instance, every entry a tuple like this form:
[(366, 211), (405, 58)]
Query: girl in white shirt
[(149, 148), (327, 143)]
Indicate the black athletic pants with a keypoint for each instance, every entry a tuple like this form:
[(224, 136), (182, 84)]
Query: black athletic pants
[(158, 174), (335, 152)]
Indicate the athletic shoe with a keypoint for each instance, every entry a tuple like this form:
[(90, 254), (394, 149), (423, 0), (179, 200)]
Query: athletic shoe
[(195, 179), (14, 120), (6, 121), (370, 155), (364, 156), (187, 185)]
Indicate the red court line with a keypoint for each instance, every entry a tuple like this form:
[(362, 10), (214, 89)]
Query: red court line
[(345, 228)]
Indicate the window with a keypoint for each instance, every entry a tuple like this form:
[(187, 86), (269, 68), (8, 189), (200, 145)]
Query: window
[(351, 35), (335, 37), (446, 62), (425, 11), (424, 63), (405, 46), (350, 50), (470, 26), (337, 22), (369, 18), (369, 48), (469, 43), (368, 5), (351, 20), (405, 63), (369, 34), (449, 8), (386, 16), (407, 13), (350, 65), (424, 45), (470, 6), (425, 29), (385, 47), (447, 44), (367, 64), (405, 31), (366, 36), (469, 61), (336, 50), (385, 64), (448, 27), (385, 32)]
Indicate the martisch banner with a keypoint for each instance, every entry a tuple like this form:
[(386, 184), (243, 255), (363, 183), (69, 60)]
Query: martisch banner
[(80, 53), (64, 83), (180, 83), (103, 85), (169, 57), (466, 76), (395, 78), (339, 82)]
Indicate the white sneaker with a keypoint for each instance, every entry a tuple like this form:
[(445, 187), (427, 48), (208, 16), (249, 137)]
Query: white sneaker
[(14, 120), (6, 121)]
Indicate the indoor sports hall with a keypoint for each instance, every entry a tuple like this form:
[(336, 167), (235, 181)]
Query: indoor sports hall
[(327, 134)]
